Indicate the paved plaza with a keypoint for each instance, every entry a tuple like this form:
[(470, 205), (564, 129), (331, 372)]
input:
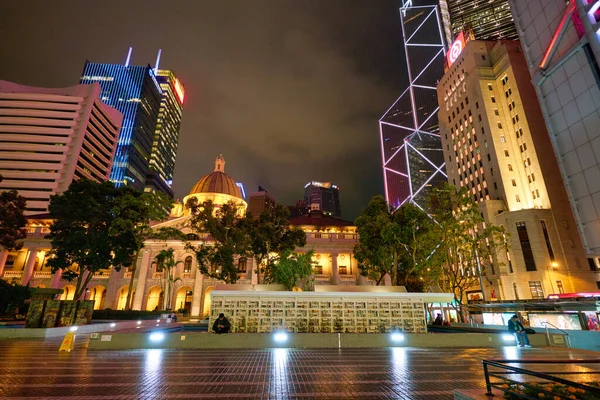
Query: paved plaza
[(36, 370)]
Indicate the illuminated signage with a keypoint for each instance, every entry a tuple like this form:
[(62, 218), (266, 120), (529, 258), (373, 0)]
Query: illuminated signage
[(455, 49), (179, 90), (326, 185)]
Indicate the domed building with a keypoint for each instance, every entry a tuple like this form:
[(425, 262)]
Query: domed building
[(217, 187)]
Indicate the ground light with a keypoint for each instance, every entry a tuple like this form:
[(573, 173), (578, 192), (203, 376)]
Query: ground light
[(139, 322), (397, 337), (508, 338), (113, 325), (157, 336), (280, 337), (73, 329)]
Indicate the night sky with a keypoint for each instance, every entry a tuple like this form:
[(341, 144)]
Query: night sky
[(287, 90)]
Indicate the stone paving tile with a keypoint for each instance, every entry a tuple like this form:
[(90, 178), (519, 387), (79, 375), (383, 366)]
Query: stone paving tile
[(35, 370)]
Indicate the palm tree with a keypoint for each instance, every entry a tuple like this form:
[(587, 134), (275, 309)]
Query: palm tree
[(165, 260)]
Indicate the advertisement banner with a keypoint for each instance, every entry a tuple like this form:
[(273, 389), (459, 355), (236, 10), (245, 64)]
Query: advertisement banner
[(67, 313), (85, 309), (592, 319), (51, 313), (497, 318), (35, 314), (561, 321)]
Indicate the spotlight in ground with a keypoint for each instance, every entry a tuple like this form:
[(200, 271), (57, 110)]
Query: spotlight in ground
[(73, 328), (397, 337), (280, 337), (139, 322), (113, 325), (508, 338), (157, 336)]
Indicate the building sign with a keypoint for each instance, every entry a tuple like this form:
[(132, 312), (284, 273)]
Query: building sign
[(179, 90), (455, 49)]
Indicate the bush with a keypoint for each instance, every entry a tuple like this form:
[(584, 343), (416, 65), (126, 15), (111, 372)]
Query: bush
[(109, 314)]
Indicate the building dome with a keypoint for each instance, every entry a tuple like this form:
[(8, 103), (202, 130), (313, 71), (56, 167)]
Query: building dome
[(217, 182), (217, 187)]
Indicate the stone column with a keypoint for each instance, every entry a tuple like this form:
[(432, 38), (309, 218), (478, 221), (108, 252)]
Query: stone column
[(253, 275), (197, 295), (335, 273), (28, 271), (113, 286), (3, 257), (55, 282), (387, 280), (140, 288)]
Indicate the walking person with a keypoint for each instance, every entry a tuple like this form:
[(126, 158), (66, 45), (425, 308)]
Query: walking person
[(516, 328)]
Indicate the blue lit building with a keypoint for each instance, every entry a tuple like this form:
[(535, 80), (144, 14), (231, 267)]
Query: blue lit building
[(135, 92)]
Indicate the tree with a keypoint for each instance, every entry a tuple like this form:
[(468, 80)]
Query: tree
[(12, 298), (409, 236), (375, 257), (466, 245), (228, 237), (166, 263), (293, 269), (270, 236), (94, 228), (12, 220)]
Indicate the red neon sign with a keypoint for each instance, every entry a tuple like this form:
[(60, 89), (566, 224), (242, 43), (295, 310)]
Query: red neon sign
[(557, 35), (179, 90), (455, 49)]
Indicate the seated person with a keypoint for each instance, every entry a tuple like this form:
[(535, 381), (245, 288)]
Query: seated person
[(221, 324), (438, 320)]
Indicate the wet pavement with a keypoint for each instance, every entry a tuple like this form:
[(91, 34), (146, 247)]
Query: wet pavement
[(36, 370)]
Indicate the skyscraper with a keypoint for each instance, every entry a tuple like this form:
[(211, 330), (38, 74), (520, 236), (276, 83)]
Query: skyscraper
[(50, 137), (135, 92), (562, 48), (166, 134), (411, 149), (496, 146), (323, 196), (486, 19)]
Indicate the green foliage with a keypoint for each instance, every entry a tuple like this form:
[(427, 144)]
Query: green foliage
[(271, 235), (393, 243), (292, 270), (96, 226), (548, 390), (124, 315), (12, 297), (465, 244), (228, 234), (12, 220)]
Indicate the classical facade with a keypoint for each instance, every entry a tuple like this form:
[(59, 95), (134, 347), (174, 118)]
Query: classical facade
[(331, 239)]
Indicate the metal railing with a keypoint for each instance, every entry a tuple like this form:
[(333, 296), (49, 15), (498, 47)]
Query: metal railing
[(528, 384), (567, 337)]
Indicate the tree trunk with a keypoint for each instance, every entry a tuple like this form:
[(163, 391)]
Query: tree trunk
[(82, 284), (128, 304)]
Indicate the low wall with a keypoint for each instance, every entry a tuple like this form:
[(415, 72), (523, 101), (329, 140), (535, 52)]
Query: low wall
[(32, 333), (182, 340)]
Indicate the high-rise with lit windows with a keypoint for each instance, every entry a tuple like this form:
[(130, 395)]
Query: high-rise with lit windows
[(135, 91), (496, 146), (166, 134), (52, 136), (485, 19)]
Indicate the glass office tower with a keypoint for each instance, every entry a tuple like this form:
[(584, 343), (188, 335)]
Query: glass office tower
[(134, 91), (413, 161), (166, 135), (486, 19)]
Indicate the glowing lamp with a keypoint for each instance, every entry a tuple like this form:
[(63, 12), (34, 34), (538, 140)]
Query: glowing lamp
[(280, 337), (397, 337), (157, 336)]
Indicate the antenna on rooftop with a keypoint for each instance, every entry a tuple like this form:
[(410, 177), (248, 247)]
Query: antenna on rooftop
[(128, 57)]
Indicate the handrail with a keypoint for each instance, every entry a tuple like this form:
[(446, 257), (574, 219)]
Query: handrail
[(510, 370), (558, 329)]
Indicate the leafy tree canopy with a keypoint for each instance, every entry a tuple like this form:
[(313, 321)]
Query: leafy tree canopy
[(293, 270), (12, 220), (95, 226), (228, 238)]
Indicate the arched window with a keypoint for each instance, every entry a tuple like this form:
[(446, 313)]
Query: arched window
[(192, 236), (242, 265), (187, 265)]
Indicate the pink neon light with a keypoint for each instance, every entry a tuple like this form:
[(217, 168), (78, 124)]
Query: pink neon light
[(179, 90), (557, 34)]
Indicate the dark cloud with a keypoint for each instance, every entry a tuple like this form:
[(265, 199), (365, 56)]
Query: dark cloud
[(287, 91)]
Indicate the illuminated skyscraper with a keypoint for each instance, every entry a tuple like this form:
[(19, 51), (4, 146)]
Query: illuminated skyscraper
[(323, 196), (411, 148), (486, 19), (166, 135), (135, 92)]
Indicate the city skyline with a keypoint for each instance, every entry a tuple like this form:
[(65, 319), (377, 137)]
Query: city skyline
[(248, 91)]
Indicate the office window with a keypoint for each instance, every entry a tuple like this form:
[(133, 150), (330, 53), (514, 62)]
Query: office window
[(510, 168), (525, 246), (506, 153), (499, 125), (476, 104), (496, 111), (466, 100), (598, 284), (514, 182), (515, 291), (532, 177), (547, 239), (243, 265), (536, 289), (560, 287), (490, 87), (502, 138), (517, 198), (591, 262), (493, 99)]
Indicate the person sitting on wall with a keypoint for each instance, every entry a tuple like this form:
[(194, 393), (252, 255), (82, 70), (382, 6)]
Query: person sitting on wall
[(221, 324), (438, 320), (516, 328)]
